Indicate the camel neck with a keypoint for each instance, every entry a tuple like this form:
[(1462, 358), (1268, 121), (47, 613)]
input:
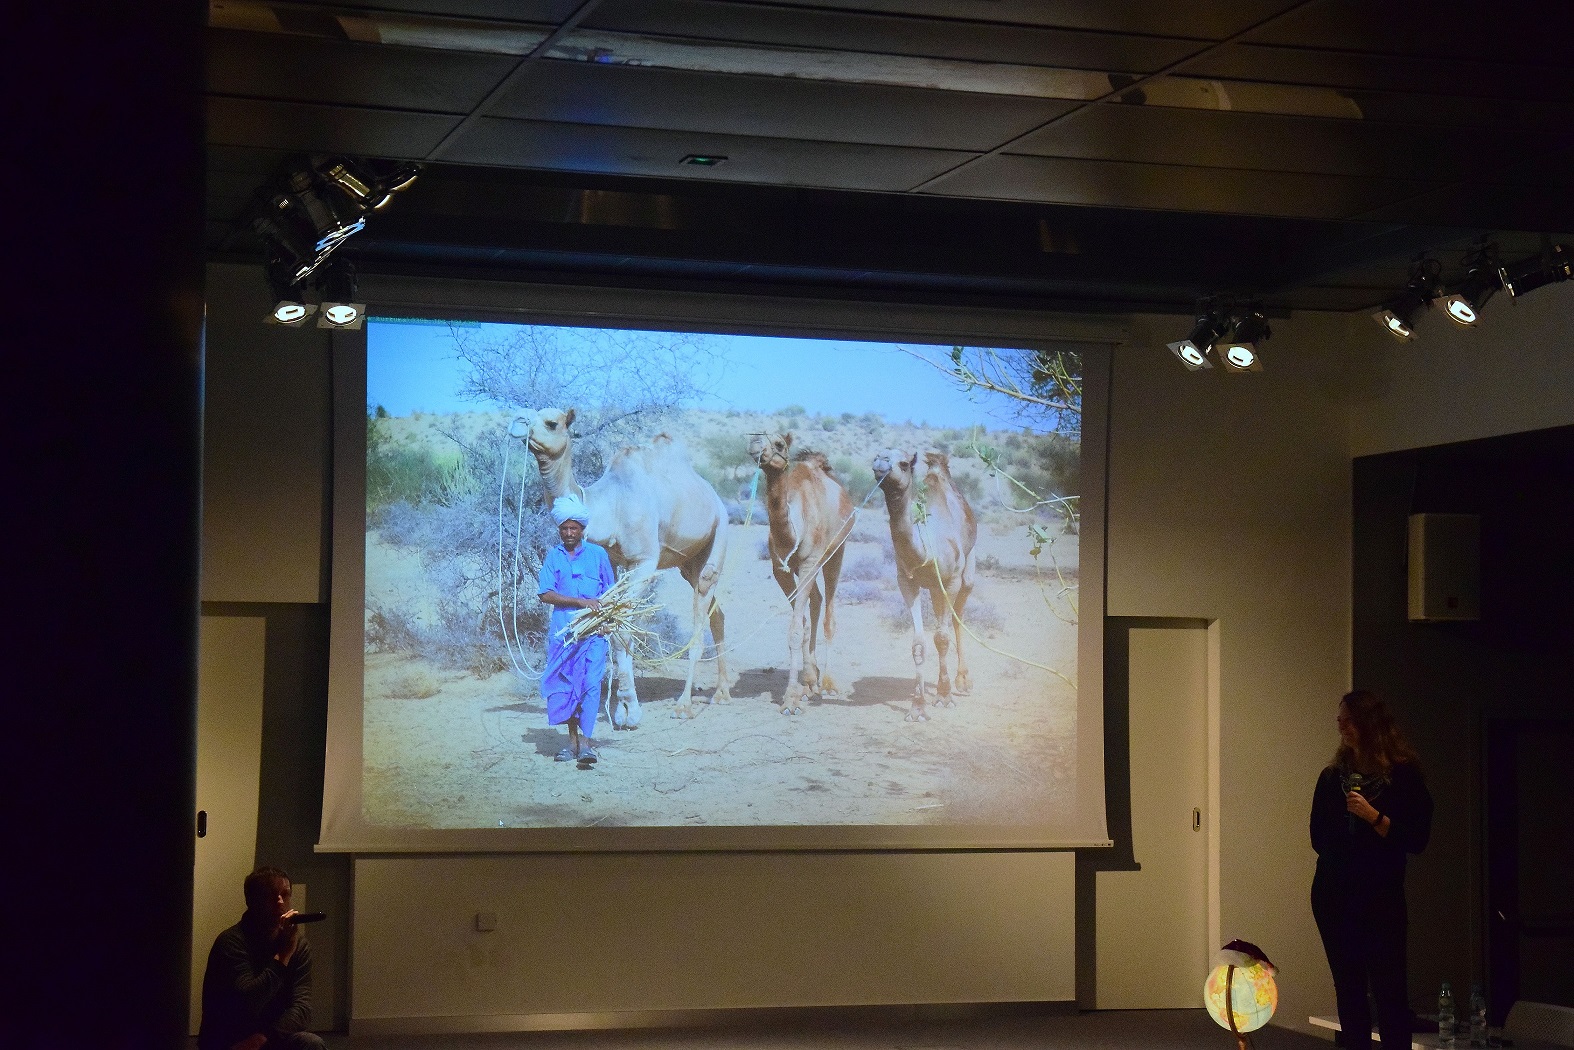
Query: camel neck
[(557, 476), (903, 531)]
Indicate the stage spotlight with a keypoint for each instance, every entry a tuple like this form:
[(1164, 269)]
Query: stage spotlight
[(1238, 353), (290, 313), (338, 290), (1553, 265), (1193, 350), (1463, 304), (290, 306), (1398, 316)]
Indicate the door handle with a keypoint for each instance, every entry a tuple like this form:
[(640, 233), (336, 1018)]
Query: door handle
[(1196, 820)]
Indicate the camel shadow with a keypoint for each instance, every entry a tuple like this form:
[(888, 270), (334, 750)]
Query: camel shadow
[(874, 690), (866, 692), (523, 707)]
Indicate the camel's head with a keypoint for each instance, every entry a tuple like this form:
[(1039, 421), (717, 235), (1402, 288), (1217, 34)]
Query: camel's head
[(771, 451), (937, 462), (547, 433), (895, 469)]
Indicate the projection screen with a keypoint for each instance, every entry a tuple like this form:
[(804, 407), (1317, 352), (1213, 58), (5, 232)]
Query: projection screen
[(818, 532)]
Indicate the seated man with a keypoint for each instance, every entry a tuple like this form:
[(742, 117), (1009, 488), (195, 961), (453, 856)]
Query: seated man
[(257, 990)]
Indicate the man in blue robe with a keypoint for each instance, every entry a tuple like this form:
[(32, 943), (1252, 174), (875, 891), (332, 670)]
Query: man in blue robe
[(574, 575)]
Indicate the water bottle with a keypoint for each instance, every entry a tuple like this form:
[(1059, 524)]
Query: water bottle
[(1478, 1017), (1445, 1016)]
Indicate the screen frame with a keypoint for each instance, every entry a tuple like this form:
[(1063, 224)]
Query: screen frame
[(719, 313)]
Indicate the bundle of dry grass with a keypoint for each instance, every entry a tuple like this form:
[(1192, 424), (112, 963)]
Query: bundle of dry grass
[(622, 611)]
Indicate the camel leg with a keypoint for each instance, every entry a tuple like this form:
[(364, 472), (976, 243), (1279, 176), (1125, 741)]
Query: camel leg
[(918, 713), (964, 589), (811, 661), (963, 685), (710, 585), (625, 708), (829, 575), (626, 713), (703, 584), (943, 681), (792, 697), (718, 634)]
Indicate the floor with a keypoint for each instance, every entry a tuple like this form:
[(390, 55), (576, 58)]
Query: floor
[(1103, 1030)]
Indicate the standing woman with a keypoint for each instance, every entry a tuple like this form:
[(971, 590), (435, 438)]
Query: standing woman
[(1370, 809)]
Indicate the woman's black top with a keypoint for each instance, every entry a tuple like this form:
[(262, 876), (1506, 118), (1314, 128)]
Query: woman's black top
[(1349, 850)]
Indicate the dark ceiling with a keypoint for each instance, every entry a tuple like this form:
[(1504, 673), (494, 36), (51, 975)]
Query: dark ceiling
[(1080, 155)]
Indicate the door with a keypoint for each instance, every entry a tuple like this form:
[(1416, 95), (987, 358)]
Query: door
[(1152, 924), (229, 760), (1530, 863)]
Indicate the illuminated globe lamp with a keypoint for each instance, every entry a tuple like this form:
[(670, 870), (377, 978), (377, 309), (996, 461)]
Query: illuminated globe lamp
[(1240, 993)]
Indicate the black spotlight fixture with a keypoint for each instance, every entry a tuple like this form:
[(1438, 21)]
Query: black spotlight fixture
[(290, 307), (1238, 352), (1555, 263), (1194, 349), (312, 207), (338, 291), (1398, 315), (1463, 304)]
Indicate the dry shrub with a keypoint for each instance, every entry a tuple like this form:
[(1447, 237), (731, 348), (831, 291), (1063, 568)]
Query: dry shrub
[(417, 684)]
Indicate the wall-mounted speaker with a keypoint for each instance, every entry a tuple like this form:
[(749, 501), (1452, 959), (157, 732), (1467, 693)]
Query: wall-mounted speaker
[(1445, 567)]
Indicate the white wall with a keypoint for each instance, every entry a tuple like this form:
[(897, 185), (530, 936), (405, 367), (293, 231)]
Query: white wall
[(264, 448), (606, 939)]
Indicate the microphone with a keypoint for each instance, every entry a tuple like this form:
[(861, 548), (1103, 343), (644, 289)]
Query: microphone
[(305, 916), (1353, 782)]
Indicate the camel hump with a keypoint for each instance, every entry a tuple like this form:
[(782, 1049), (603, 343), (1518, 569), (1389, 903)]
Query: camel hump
[(810, 458), (661, 449)]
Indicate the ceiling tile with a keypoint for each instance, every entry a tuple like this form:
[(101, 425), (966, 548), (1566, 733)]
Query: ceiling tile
[(851, 31), (1215, 20), (1523, 32), (309, 69), (500, 10), (770, 107), (1171, 187), (1268, 142), (292, 126), (1421, 75), (637, 151)]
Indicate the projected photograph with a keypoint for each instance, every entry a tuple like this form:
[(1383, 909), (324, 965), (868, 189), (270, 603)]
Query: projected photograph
[(846, 580)]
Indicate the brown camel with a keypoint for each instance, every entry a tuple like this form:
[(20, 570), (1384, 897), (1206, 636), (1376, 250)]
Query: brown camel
[(933, 532), (651, 511), (810, 517)]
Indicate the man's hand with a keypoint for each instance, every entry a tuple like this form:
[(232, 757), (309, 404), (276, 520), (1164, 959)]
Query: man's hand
[(255, 1041), (286, 938)]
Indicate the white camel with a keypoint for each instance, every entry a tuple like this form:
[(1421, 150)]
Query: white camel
[(651, 511)]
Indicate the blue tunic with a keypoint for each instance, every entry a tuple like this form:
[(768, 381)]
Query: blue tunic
[(571, 680)]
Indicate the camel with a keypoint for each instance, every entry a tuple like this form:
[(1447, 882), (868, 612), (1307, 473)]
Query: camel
[(651, 511), (810, 518), (933, 534)]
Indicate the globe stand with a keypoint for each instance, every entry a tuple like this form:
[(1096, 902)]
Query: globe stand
[(1229, 1009)]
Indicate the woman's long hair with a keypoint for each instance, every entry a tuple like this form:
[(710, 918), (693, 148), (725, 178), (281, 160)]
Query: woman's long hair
[(1379, 743)]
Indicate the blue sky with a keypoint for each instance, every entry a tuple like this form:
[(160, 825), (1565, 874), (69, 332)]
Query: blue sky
[(412, 366)]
